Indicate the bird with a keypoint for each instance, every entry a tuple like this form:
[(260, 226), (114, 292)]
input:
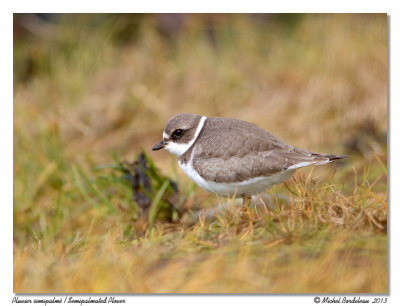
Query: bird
[(231, 157)]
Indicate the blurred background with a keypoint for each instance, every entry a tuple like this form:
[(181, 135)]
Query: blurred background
[(87, 86)]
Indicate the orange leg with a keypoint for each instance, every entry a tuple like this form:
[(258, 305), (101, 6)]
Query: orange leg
[(246, 205)]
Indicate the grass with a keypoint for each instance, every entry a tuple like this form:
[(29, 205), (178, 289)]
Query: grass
[(93, 91)]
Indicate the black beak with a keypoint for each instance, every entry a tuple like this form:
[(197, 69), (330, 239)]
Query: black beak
[(159, 145)]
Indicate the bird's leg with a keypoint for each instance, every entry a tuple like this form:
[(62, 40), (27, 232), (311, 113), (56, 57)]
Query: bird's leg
[(246, 201), (246, 205)]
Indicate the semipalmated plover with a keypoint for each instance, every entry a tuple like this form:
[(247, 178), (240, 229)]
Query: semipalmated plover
[(233, 157)]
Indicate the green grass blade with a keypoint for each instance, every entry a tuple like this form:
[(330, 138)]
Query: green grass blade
[(79, 183), (156, 202)]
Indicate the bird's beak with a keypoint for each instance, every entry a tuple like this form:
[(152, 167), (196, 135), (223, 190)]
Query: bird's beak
[(159, 145)]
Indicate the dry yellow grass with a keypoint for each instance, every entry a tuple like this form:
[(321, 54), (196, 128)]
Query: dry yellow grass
[(86, 87)]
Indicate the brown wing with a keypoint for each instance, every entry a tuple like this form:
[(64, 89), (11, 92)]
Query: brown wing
[(235, 150)]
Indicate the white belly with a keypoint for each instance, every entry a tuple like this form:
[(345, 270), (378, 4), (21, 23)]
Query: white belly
[(249, 187)]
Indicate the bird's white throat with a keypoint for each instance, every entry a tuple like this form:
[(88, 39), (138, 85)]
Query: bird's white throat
[(180, 148)]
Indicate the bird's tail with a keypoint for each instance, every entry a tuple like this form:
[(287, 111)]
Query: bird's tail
[(326, 158)]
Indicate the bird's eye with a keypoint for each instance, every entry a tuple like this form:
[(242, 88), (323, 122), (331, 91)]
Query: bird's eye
[(178, 133)]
